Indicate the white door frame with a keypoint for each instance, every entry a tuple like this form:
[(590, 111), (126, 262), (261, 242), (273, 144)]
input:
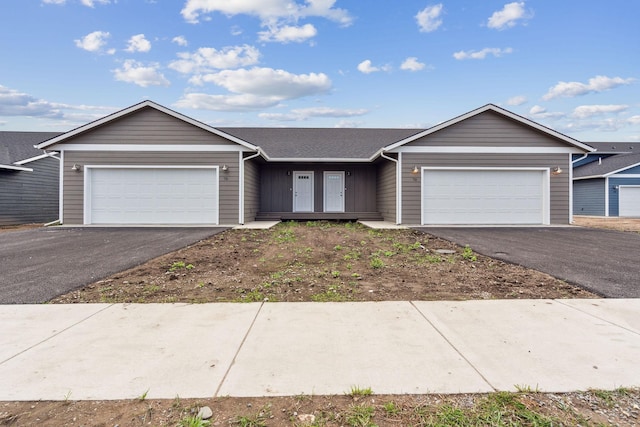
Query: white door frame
[(296, 174), (546, 185), (325, 197)]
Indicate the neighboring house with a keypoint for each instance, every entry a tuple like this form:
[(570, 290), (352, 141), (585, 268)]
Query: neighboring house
[(148, 164), (607, 182), (29, 179)]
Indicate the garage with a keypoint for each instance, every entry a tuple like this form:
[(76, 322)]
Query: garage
[(485, 196), (629, 200), (151, 195)]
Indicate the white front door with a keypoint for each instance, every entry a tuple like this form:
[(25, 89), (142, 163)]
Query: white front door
[(334, 191), (303, 191)]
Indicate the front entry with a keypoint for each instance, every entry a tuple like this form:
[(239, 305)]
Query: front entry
[(303, 191), (334, 191)]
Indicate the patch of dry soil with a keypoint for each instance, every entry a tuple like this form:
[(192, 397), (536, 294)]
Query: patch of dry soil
[(322, 261), (610, 223)]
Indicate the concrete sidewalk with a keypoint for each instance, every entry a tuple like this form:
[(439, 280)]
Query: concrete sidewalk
[(121, 351)]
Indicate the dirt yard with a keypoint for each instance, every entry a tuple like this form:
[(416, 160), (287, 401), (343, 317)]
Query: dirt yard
[(320, 261), (610, 223)]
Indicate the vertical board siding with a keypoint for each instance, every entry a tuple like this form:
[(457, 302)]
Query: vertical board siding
[(387, 190), (251, 190), (148, 126), (588, 197), (276, 186), (411, 184), (73, 203), (30, 197), (488, 129)]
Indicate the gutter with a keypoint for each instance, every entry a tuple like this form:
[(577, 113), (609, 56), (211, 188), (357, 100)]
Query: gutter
[(398, 185), (241, 179)]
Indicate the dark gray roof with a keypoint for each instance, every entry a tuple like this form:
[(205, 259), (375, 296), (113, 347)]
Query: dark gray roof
[(615, 147), (608, 165), (319, 143), (17, 146)]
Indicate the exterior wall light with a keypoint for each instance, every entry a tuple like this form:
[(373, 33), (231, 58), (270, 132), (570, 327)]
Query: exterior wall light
[(415, 170), (556, 170), (225, 168), (76, 167)]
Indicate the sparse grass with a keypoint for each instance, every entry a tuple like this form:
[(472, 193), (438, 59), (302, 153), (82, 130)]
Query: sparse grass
[(391, 409), (357, 391), (523, 388), (360, 416), (332, 294), (194, 421), (376, 263), (468, 254), (258, 419), (143, 396)]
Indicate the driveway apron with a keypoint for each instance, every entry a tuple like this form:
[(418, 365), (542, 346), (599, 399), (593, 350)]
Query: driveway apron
[(602, 261), (42, 263)]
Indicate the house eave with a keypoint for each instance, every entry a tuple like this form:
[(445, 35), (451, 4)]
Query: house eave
[(136, 107), (496, 109), (16, 168)]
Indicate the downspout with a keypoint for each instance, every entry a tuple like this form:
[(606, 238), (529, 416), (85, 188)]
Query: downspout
[(60, 183), (584, 156), (398, 177), (244, 159)]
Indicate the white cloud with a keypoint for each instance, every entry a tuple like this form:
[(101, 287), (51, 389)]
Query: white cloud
[(54, 1), (256, 88), (288, 33), (412, 64), (268, 11), (508, 16), (595, 84), (138, 43), (366, 67), (517, 100), (429, 18), (207, 59), (537, 112), (94, 42), (302, 114), (585, 111), (180, 41), (139, 74), (269, 82), (482, 54), (635, 120), (16, 103)]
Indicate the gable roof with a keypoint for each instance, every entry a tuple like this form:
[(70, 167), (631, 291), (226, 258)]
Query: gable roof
[(491, 107), (129, 110), (615, 147), (320, 144), (17, 148), (608, 166)]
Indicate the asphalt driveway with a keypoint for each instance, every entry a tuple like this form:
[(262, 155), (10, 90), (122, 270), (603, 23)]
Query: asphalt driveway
[(39, 264), (602, 261)]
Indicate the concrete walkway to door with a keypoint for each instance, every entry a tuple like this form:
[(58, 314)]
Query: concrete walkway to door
[(602, 261)]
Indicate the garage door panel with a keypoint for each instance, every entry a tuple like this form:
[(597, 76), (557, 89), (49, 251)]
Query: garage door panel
[(153, 196), (483, 197), (629, 203)]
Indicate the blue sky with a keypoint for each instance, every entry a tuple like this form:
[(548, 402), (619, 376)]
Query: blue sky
[(572, 65)]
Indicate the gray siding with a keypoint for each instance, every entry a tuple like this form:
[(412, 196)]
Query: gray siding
[(73, 203), (30, 197), (488, 129), (387, 190), (148, 126), (588, 197), (411, 184), (251, 190), (276, 186)]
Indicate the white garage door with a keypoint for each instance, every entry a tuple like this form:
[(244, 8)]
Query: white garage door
[(484, 197), (152, 196), (629, 200)]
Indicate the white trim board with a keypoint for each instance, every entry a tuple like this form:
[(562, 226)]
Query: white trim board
[(150, 147), (485, 149)]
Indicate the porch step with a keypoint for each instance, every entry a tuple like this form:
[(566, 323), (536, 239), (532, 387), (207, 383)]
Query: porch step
[(315, 216)]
